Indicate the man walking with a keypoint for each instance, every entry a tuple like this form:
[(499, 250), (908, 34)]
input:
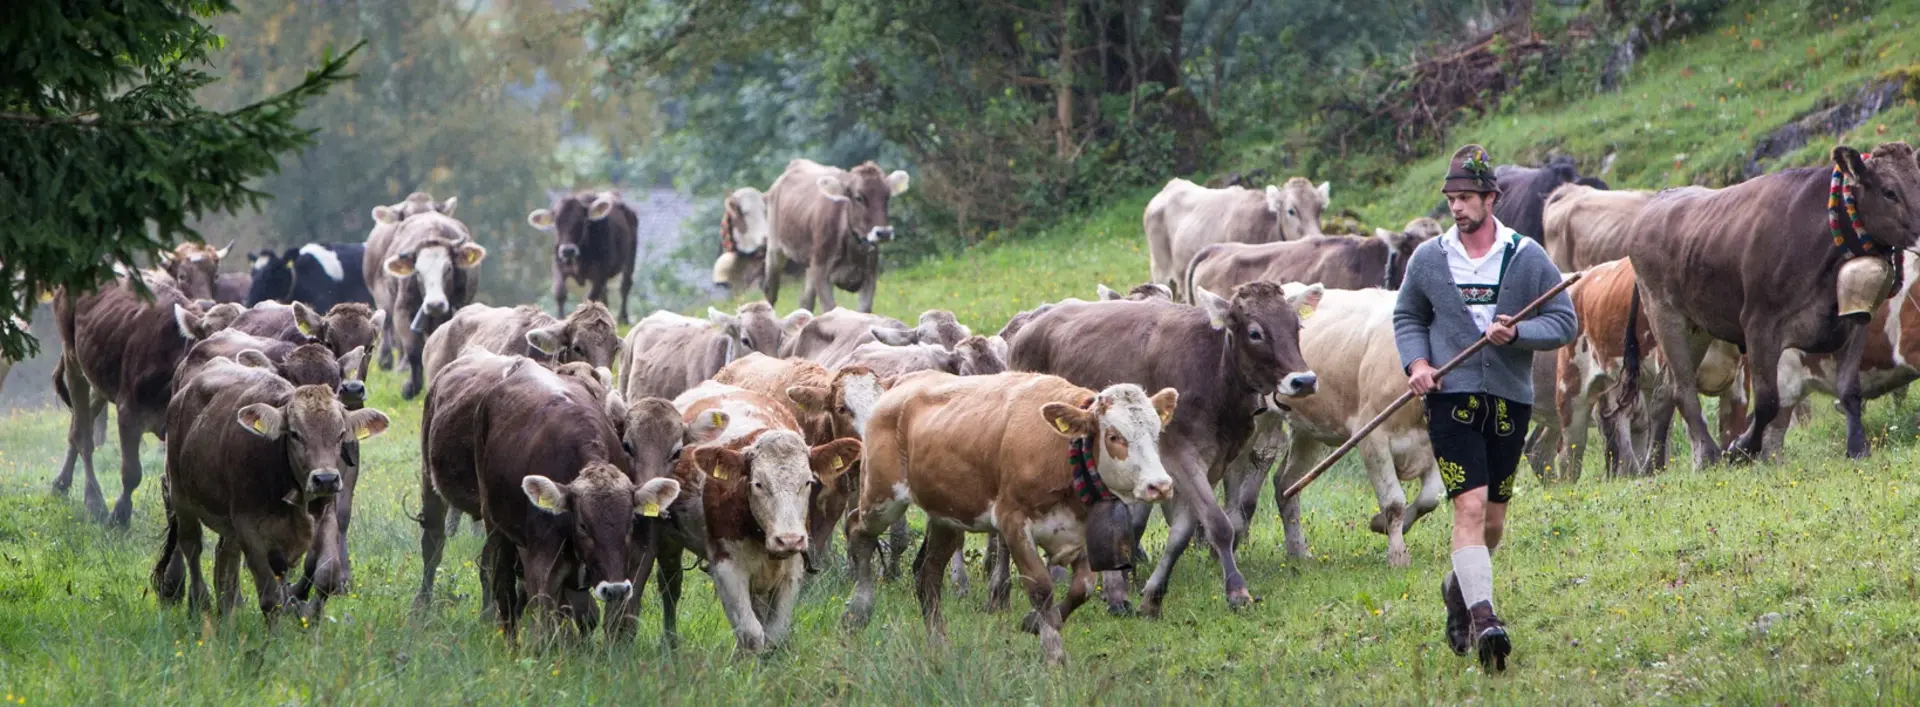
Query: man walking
[(1460, 286)]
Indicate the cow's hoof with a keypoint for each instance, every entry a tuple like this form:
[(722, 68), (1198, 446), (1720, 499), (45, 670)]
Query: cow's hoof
[(122, 515), (1399, 558), (1239, 599), (854, 620), (61, 487), (1124, 608), (1031, 623), (1150, 608), (1379, 523), (422, 604), (1298, 551)]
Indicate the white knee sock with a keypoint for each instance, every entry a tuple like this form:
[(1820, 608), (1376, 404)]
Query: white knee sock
[(1473, 569)]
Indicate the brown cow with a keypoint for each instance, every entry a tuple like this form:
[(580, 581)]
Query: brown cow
[(828, 405), (300, 364), (535, 454), (667, 353), (343, 328), (257, 460), (1336, 262), (594, 239), (428, 270), (992, 454), (386, 224), (120, 348), (754, 482), (1222, 357), (1524, 191), (587, 335), (1185, 217), (830, 339), (1769, 236), (834, 220), (195, 267), (232, 287), (1887, 365), (972, 356), (1147, 291)]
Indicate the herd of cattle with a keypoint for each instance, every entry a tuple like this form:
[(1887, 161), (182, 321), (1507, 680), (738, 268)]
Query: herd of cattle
[(746, 438)]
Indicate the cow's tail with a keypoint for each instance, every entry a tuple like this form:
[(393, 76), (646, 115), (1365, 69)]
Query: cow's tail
[(1627, 393), (1184, 291)]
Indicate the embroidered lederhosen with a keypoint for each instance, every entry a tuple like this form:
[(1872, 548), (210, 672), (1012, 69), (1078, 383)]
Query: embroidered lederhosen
[(1478, 438)]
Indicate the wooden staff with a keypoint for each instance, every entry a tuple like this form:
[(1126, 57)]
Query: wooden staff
[(1404, 398)]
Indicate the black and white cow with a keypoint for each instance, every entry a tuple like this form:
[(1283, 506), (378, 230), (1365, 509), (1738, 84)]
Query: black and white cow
[(319, 274)]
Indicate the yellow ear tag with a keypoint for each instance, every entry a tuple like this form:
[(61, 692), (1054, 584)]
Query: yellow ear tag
[(1166, 417), (839, 463), (304, 329), (362, 433), (1306, 310), (1060, 423), (544, 503), (651, 510), (260, 425), (719, 420), (719, 472)]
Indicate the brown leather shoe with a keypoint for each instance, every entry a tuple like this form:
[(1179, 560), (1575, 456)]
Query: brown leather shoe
[(1458, 619), (1490, 638)]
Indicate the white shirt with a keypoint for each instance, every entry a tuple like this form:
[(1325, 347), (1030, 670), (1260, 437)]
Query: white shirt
[(1482, 271)]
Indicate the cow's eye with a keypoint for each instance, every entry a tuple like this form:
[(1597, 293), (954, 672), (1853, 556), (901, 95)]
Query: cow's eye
[(1292, 212), (293, 435), (675, 455), (862, 198), (1255, 335), (746, 341), (1891, 195), (627, 447)]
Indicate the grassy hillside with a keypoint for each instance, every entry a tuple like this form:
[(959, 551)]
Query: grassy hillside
[(1790, 582)]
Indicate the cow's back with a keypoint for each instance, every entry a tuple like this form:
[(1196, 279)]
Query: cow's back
[(967, 442), (501, 330), (829, 339), (129, 348), (668, 353), (534, 421), (1583, 226), (1192, 217), (1154, 344)]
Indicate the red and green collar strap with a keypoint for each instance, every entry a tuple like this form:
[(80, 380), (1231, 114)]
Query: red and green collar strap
[(1086, 476), (1850, 232)]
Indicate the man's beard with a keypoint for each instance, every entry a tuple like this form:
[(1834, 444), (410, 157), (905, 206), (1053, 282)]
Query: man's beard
[(1468, 225)]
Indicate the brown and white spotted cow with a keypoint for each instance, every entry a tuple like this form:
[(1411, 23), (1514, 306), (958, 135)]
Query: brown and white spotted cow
[(537, 454), (754, 481), (1890, 362), (829, 405), (256, 459), (993, 454)]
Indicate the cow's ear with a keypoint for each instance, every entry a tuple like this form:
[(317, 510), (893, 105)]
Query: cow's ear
[(367, 423), (720, 463), (400, 265), (1849, 162), (308, 321), (1070, 421), (384, 214), (897, 182), (1216, 307), (350, 363), (601, 208), (1107, 293), (810, 398), (833, 189), (447, 207), (707, 426), (379, 322), (1326, 191), (723, 321), (252, 358), (790, 326), (263, 420), (834, 458), (651, 499), (546, 339), (541, 219), (1164, 403), (545, 494), (188, 322), (468, 255), (1276, 203), (895, 337), (1306, 300)]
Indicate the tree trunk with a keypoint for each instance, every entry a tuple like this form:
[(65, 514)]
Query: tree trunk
[(1163, 63), (1063, 82)]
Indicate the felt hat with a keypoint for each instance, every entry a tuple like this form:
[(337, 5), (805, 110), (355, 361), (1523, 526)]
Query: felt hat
[(1470, 170)]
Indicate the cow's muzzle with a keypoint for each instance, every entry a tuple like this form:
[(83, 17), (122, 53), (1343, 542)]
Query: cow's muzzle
[(569, 252), (612, 591), (1155, 491), (1299, 385), (880, 234), (353, 394), (786, 544), (323, 482)]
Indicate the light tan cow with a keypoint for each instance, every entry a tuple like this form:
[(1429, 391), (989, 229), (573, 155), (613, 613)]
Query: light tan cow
[(1348, 341), (1585, 226), (587, 335), (992, 454), (829, 339), (834, 220), (1185, 217)]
